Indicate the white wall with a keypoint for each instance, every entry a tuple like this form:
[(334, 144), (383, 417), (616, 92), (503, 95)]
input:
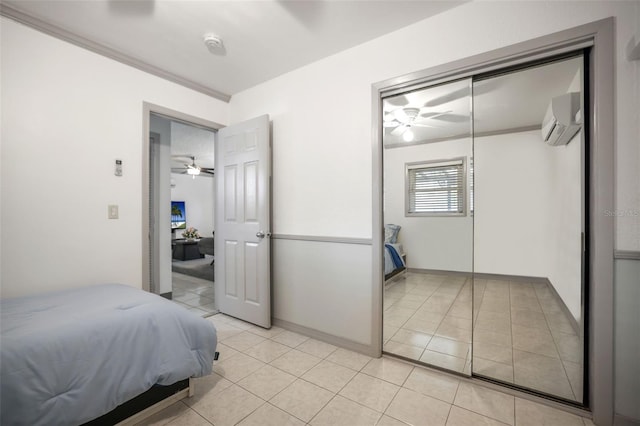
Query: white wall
[(321, 114), (199, 203), (527, 218), (67, 114), (437, 242)]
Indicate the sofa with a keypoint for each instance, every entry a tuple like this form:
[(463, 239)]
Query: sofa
[(205, 246)]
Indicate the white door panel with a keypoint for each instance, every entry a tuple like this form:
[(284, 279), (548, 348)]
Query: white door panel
[(243, 257)]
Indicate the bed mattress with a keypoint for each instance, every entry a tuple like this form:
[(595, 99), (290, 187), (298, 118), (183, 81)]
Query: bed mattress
[(71, 356)]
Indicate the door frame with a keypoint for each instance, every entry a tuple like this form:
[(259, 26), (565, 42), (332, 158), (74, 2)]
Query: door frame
[(147, 109), (599, 37)]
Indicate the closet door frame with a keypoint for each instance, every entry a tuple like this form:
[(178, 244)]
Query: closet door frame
[(598, 38)]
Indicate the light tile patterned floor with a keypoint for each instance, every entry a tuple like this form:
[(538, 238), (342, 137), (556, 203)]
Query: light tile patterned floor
[(521, 333), (276, 378), (427, 318), (193, 293)]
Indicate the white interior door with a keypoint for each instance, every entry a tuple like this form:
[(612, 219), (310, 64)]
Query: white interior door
[(243, 221)]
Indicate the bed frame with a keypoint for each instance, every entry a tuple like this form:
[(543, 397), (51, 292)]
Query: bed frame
[(146, 404)]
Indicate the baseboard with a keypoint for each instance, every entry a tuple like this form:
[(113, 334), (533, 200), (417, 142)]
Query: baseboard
[(565, 309), (516, 278), (327, 338), (440, 272), (619, 420)]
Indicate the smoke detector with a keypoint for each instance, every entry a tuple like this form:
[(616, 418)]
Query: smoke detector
[(214, 43)]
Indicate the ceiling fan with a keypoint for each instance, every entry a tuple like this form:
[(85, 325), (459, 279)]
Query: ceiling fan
[(401, 116), (400, 121), (191, 169)]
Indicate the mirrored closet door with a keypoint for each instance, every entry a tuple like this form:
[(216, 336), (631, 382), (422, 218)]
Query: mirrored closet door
[(528, 228), (484, 226), (428, 225)]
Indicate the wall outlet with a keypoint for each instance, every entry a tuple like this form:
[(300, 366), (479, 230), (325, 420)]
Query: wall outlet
[(113, 211)]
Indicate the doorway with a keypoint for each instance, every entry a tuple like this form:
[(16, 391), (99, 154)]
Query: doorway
[(181, 209)]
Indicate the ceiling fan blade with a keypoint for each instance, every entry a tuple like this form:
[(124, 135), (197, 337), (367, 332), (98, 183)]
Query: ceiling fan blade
[(400, 115), (425, 125), (398, 101), (434, 114), (389, 116), (393, 123), (452, 118), (181, 157)]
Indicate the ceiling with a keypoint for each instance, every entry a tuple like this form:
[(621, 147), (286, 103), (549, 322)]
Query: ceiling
[(266, 38), (261, 39), (506, 103)]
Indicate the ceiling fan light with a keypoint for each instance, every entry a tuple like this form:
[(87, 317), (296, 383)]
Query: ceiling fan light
[(194, 171), (408, 136)]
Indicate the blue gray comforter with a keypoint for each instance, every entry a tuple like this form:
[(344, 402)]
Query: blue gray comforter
[(71, 356), (392, 258)]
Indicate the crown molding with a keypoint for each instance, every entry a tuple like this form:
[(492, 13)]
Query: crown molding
[(65, 35)]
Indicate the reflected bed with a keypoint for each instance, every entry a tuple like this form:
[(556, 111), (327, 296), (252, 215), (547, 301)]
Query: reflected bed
[(393, 260)]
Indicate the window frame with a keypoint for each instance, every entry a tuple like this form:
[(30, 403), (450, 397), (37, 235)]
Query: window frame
[(433, 164)]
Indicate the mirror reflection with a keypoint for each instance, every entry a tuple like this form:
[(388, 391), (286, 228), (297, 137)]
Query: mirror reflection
[(528, 225), (429, 229), (484, 223)]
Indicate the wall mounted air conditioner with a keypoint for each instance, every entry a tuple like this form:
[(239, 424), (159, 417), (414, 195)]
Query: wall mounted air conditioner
[(562, 120)]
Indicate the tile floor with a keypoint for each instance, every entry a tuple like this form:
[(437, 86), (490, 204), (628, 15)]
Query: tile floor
[(277, 377), (521, 334), (193, 293), (427, 318)]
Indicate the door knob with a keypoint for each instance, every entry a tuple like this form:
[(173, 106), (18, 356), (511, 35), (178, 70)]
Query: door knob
[(262, 234)]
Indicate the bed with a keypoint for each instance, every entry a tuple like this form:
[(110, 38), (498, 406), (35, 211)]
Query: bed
[(72, 356), (393, 260), (393, 252)]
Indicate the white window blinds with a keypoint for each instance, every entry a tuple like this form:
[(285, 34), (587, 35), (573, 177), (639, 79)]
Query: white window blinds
[(436, 188)]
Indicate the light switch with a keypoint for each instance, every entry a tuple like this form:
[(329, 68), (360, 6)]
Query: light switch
[(113, 211)]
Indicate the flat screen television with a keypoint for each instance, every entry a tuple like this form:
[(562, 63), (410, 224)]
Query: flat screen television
[(178, 216)]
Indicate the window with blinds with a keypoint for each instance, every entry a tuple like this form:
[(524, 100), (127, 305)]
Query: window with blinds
[(436, 188)]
